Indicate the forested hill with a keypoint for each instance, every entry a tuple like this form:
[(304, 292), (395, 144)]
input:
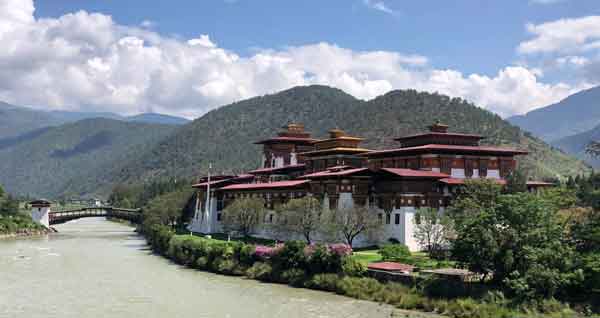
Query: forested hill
[(225, 136), (74, 158)]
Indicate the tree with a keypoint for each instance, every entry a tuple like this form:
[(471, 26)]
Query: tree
[(520, 241), (432, 230), (516, 182), (243, 215), (352, 221), (301, 216), (166, 209), (475, 196)]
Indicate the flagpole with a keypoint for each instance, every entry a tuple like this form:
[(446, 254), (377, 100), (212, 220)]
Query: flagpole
[(207, 212)]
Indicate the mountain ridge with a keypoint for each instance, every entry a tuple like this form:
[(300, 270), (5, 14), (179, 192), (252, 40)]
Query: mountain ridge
[(575, 114)]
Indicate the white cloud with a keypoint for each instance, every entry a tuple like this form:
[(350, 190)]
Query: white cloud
[(87, 61), (564, 35), (379, 5)]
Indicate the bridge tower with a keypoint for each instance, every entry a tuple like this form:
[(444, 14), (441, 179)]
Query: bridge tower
[(40, 210)]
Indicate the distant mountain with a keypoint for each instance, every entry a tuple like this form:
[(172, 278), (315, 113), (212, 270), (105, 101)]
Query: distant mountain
[(575, 114), (224, 136), (577, 144), (67, 159), (92, 155), (17, 120), (154, 118)]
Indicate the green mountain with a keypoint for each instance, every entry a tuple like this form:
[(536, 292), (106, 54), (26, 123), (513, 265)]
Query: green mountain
[(575, 114), (577, 144), (75, 158), (224, 136), (16, 121), (154, 118)]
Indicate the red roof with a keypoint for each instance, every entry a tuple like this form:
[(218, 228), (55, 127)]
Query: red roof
[(212, 183), (450, 148), (458, 181), (408, 173), (271, 170), (287, 139), (267, 185), (391, 267), (438, 134), (333, 173)]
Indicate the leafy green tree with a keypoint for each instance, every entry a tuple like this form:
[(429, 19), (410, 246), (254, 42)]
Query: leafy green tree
[(301, 216), (166, 209), (475, 196), (516, 182), (351, 222), (243, 215), (433, 230), (519, 241)]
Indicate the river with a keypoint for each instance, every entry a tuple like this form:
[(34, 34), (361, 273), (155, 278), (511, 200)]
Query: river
[(95, 268)]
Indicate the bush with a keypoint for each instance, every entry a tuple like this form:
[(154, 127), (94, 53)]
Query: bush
[(326, 282), (294, 276), (352, 267), (443, 288), (361, 288), (261, 271), (202, 263), (394, 252)]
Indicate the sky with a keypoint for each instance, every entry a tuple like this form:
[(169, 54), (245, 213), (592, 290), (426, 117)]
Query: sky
[(186, 57)]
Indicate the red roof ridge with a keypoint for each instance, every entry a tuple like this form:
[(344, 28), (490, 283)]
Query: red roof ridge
[(403, 172), (266, 185)]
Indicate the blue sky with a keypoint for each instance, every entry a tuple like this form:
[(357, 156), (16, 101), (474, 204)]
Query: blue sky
[(508, 56), (471, 35)]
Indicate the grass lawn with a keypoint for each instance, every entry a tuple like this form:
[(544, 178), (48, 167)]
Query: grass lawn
[(419, 259), (367, 256)]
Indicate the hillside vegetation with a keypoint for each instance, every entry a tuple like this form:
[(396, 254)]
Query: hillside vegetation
[(75, 158), (224, 136)]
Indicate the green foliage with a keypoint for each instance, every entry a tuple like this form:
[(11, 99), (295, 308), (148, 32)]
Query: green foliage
[(301, 216), (516, 182), (352, 267), (260, 271), (326, 282), (394, 252), (516, 238), (243, 215), (79, 158), (167, 209)]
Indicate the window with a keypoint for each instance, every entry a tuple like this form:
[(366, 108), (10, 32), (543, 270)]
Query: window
[(396, 218), (270, 218), (219, 217), (388, 218), (380, 217)]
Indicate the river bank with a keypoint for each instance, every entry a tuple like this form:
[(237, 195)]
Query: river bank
[(297, 265), (94, 268), (20, 225), (26, 233)]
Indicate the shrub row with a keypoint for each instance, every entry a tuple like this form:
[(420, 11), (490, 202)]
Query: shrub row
[(326, 268)]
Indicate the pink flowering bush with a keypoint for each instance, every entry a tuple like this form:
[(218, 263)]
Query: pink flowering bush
[(266, 252), (340, 249)]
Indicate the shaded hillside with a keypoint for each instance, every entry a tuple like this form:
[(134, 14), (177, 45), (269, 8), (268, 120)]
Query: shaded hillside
[(73, 158), (575, 114), (17, 122), (225, 136), (577, 144), (154, 118)]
